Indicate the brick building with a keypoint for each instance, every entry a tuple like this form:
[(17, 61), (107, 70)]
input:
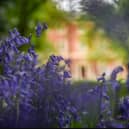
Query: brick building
[(68, 43)]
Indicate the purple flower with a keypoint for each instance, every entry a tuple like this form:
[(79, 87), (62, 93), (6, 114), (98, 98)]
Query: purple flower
[(102, 78), (124, 108), (127, 80), (67, 74), (115, 72), (110, 124), (40, 27), (32, 95)]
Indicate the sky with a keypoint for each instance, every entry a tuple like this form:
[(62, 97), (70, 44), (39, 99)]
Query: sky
[(65, 4)]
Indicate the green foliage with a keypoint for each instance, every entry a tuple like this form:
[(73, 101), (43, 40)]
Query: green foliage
[(112, 17), (51, 14), (1, 69), (24, 48), (25, 14), (75, 124)]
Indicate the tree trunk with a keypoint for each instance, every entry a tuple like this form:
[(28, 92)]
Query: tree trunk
[(23, 17)]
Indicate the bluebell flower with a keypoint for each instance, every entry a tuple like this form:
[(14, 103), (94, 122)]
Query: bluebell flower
[(32, 94), (67, 74), (40, 27), (127, 80), (124, 108), (110, 124), (115, 72), (102, 78)]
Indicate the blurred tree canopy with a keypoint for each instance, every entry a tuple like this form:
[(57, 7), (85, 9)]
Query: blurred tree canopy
[(25, 14), (112, 17)]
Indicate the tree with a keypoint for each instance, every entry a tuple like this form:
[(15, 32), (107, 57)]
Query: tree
[(3, 16), (22, 13), (112, 17), (25, 14)]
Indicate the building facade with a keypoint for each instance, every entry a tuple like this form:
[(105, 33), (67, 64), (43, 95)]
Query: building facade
[(68, 43)]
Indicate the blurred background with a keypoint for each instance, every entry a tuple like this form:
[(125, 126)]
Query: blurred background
[(92, 34)]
